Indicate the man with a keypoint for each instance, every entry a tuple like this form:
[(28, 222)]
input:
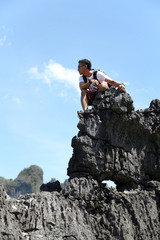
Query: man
[(89, 85)]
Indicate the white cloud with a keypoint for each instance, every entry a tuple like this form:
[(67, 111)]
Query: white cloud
[(142, 90), (3, 40), (17, 100), (34, 73), (13, 99), (56, 72), (114, 73), (63, 94), (5, 28), (127, 83), (4, 36)]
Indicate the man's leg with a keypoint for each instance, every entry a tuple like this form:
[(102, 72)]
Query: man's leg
[(103, 87), (84, 100)]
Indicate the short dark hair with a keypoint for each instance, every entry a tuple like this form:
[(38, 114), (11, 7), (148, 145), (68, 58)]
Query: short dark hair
[(86, 62)]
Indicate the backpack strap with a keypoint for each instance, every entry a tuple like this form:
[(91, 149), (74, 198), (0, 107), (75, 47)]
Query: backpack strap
[(84, 78), (94, 76), (109, 85)]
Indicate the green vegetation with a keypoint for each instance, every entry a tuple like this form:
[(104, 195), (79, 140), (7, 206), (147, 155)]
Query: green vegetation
[(28, 181), (32, 175)]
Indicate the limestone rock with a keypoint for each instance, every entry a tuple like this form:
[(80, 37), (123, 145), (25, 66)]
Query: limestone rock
[(117, 143), (51, 187), (84, 210)]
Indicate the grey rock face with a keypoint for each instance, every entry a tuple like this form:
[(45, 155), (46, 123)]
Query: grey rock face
[(114, 142), (51, 187), (84, 210), (117, 143)]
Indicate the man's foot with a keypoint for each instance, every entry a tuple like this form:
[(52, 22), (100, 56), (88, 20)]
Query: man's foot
[(81, 113), (87, 111)]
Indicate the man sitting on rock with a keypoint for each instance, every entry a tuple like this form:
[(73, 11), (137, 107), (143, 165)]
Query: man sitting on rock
[(91, 82)]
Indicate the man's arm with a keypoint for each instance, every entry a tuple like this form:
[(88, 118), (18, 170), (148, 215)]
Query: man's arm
[(114, 83), (83, 85)]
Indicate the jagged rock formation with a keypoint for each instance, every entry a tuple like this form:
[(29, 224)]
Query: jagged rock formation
[(28, 181), (51, 186), (117, 143), (114, 142)]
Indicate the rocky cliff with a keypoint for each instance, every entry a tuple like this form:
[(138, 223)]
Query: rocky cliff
[(116, 143)]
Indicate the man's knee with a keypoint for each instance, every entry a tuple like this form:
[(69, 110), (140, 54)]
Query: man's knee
[(103, 87)]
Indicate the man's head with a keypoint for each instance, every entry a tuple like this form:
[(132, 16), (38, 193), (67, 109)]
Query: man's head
[(85, 62)]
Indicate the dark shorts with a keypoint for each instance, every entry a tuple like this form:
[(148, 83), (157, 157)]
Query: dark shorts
[(91, 96)]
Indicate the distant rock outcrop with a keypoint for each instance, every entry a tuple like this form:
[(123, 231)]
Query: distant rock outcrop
[(28, 181), (114, 143)]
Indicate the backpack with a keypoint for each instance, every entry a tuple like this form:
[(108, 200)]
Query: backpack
[(95, 77)]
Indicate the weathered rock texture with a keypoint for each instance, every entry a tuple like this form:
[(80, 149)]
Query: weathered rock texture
[(116, 143)]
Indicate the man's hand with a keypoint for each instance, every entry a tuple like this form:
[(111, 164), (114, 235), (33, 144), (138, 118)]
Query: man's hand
[(122, 87), (94, 82)]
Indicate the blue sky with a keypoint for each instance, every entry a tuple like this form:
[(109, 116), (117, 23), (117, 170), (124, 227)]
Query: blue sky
[(40, 45)]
